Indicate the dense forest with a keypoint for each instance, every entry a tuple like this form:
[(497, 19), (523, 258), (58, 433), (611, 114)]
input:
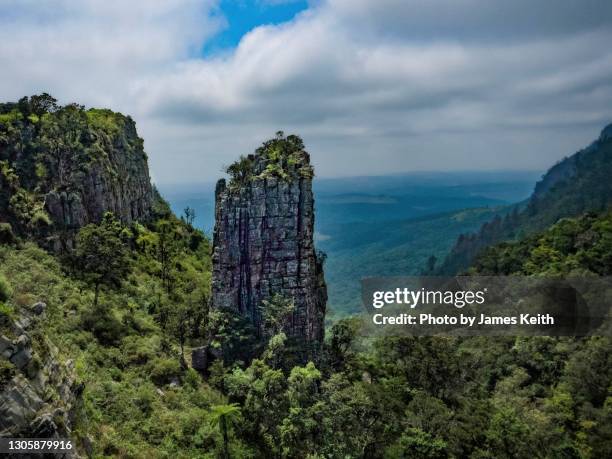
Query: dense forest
[(127, 304), (396, 397)]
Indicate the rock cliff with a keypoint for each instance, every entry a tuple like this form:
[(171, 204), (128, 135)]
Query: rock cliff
[(263, 240), (64, 167)]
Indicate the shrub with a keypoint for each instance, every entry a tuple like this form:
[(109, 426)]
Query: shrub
[(7, 371), (144, 399), (137, 350), (192, 378), (162, 370), (5, 289), (40, 219), (23, 299), (6, 233), (6, 314), (104, 325)]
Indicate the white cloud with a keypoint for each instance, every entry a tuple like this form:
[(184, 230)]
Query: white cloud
[(92, 51), (373, 87)]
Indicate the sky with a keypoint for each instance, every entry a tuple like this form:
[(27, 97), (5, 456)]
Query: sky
[(373, 87)]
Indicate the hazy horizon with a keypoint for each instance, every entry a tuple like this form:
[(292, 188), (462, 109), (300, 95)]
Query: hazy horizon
[(454, 190), (423, 173)]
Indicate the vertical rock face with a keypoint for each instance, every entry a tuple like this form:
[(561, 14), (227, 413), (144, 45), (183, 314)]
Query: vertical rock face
[(64, 167), (263, 239), (118, 182)]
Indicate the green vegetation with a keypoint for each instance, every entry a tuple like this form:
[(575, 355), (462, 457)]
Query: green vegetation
[(5, 289), (225, 416), (578, 184), (139, 398), (572, 246), (101, 256), (281, 157), (392, 248), (392, 398), (45, 147)]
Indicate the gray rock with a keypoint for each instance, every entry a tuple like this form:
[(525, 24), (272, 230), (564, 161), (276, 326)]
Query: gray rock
[(6, 347), (21, 358), (39, 308), (38, 399), (263, 245), (113, 180), (199, 358)]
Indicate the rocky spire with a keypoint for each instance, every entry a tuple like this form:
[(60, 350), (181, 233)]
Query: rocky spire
[(263, 239)]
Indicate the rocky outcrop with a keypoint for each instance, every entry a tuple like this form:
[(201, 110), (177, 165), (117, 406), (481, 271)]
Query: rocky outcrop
[(118, 182), (263, 239), (37, 389), (64, 167)]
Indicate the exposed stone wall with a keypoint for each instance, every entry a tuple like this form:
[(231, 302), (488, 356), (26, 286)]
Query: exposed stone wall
[(118, 183), (65, 169), (263, 245)]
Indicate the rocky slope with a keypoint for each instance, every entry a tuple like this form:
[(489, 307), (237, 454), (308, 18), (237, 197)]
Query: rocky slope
[(37, 389), (64, 167), (263, 239)]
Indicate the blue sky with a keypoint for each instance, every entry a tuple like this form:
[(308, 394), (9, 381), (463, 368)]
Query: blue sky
[(242, 16)]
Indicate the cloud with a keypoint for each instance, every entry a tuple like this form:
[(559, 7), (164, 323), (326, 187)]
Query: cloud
[(93, 50), (373, 87)]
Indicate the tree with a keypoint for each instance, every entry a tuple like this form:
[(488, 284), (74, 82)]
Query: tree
[(189, 215), (43, 103), (301, 429), (343, 335), (275, 313), (415, 443), (240, 171), (101, 256), (225, 416), (180, 321), (62, 143), (261, 390), (167, 251)]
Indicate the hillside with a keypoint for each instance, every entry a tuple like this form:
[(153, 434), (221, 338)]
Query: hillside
[(95, 342), (121, 357), (578, 184)]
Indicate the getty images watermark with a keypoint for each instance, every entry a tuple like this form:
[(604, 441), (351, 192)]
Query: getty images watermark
[(487, 305)]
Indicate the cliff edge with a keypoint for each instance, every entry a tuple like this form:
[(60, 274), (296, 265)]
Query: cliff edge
[(62, 167)]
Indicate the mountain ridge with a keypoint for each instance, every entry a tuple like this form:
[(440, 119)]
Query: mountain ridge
[(575, 185)]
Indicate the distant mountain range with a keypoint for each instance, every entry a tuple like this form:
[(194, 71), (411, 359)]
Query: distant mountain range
[(578, 184)]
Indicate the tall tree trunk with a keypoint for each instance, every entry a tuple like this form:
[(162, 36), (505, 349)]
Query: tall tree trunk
[(223, 423)]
